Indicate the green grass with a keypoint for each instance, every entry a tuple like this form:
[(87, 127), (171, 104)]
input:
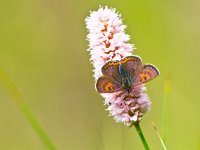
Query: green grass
[(27, 112), (167, 93), (160, 138)]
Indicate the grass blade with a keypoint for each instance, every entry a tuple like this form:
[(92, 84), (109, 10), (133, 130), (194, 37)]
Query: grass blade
[(27, 112), (166, 98), (160, 138)]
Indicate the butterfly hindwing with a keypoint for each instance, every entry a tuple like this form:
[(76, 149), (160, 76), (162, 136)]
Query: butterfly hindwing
[(107, 85), (148, 72)]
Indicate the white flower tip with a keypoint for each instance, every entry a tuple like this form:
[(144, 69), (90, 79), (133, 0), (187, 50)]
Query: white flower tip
[(134, 118)]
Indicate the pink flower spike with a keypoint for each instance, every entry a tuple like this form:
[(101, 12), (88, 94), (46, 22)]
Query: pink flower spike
[(107, 42)]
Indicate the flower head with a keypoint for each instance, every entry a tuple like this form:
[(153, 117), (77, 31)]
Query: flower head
[(108, 41)]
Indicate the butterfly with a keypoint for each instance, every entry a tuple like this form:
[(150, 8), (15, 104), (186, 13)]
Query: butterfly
[(125, 74)]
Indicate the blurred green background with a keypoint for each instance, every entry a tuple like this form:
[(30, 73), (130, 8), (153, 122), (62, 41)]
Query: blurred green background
[(43, 51)]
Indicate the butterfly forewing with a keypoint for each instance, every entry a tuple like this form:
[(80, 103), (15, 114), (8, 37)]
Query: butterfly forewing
[(107, 85), (111, 70), (132, 64), (148, 72)]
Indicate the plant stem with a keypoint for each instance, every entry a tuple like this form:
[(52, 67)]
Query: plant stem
[(26, 110), (140, 133)]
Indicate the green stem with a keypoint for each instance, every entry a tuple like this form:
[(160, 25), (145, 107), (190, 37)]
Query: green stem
[(140, 133), (26, 110)]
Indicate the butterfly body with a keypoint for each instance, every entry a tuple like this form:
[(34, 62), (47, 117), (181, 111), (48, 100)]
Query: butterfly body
[(125, 74), (126, 80)]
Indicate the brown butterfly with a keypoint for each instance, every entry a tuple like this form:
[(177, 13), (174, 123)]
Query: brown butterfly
[(125, 74)]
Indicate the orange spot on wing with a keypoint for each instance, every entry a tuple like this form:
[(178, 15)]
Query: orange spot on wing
[(108, 86)]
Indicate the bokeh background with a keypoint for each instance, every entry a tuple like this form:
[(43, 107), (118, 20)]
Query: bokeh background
[(43, 51)]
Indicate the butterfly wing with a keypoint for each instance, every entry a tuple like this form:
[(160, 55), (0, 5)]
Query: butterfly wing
[(107, 85), (111, 70), (132, 64), (148, 72)]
